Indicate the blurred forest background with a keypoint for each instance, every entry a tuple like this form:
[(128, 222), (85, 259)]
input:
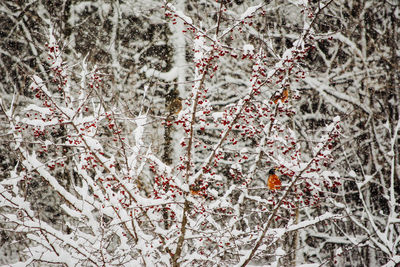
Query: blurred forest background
[(146, 61)]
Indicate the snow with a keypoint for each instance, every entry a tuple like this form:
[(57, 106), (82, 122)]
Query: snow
[(70, 211), (124, 182), (280, 252), (393, 261), (41, 110), (336, 119), (138, 133), (93, 143), (168, 76), (339, 36), (32, 163), (299, 2), (38, 83), (40, 123), (352, 174), (250, 11), (179, 13), (299, 43), (367, 179), (248, 49), (217, 115)]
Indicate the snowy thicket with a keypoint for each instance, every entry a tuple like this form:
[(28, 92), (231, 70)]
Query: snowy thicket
[(101, 165)]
